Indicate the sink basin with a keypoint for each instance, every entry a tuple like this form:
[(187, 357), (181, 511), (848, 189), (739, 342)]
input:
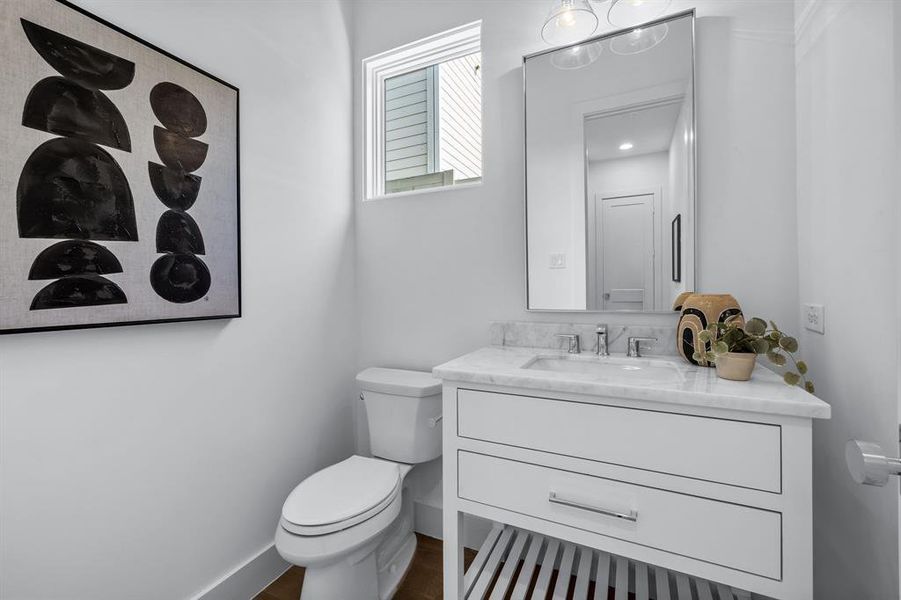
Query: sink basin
[(613, 370)]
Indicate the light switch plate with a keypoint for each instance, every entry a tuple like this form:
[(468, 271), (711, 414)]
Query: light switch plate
[(558, 260), (815, 318)]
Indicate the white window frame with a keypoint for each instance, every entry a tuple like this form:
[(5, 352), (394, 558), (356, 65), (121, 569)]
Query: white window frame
[(438, 48)]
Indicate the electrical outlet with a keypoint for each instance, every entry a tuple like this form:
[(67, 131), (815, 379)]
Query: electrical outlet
[(815, 318), (558, 260)]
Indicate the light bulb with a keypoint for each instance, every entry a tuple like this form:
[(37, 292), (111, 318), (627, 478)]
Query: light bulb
[(626, 146), (640, 39), (569, 21), (623, 13)]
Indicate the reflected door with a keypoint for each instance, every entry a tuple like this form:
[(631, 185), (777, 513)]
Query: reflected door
[(625, 252)]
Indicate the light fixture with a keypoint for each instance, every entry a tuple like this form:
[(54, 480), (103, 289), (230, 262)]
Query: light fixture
[(640, 39), (624, 13), (569, 21), (626, 146), (576, 57)]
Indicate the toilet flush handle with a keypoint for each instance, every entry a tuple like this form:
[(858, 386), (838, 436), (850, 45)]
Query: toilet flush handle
[(433, 422)]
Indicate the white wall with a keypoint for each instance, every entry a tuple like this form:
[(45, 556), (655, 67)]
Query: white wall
[(746, 222), (145, 462), (623, 174), (433, 269), (677, 201), (847, 234)]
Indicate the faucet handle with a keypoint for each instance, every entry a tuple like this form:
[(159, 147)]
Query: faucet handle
[(635, 345), (575, 345)]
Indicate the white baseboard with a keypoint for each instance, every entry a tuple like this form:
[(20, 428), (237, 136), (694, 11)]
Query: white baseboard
[(248, 579), (428, 521)]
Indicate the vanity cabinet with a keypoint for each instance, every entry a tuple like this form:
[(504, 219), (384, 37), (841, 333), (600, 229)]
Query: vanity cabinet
[(711, 491)]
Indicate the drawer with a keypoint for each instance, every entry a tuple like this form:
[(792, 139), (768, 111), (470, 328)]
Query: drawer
[(730, 535), (735, 453)]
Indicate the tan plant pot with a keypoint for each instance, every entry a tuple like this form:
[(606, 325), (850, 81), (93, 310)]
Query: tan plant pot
[(736, 366)]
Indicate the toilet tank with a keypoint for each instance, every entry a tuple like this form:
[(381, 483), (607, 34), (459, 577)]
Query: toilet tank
[(403, 410)]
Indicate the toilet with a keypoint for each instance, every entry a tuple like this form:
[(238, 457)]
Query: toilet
[(351, 525)]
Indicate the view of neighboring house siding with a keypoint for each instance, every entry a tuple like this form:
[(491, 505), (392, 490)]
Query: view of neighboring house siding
[(410, 124), (460, 117), (433, 125)]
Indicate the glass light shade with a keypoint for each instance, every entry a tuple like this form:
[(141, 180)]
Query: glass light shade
[(569, 21), (624, 13), (576, 57), (640, 39)]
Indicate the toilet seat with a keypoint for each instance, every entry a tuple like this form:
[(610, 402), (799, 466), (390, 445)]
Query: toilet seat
[(341, 496)]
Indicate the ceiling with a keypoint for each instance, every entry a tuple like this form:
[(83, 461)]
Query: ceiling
[(649, 130)]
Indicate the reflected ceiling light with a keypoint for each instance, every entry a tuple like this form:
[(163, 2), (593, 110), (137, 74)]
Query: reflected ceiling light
[(576, 57), (569, 21), (639, 40), (626, 146), (623, 13)]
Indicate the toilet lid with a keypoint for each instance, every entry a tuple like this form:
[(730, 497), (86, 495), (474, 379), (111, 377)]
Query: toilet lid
[(342, 495)]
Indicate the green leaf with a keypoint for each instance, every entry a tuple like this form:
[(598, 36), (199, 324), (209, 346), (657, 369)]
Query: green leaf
[(697, 357), (713, 328), (791, 378), (802, 367), (789, 344), (809, 387), (705, 336), (760, 346), (732, 336), (720, 347), (710, 357), (776, 358), (756, 326), (773, 325)]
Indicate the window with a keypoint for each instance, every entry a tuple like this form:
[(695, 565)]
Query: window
[(423, 114)]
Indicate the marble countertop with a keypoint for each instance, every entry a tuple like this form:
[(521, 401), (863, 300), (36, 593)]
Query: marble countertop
[(692, 386)]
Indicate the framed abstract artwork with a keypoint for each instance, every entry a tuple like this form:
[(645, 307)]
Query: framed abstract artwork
[(119, 177)]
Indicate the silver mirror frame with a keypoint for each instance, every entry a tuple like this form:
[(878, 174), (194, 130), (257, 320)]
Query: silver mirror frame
[(693, 285)]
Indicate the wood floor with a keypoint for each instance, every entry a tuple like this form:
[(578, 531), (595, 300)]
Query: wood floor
[(423, 580)]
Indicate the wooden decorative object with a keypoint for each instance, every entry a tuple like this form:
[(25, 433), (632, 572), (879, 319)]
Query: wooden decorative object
[(698, 311)]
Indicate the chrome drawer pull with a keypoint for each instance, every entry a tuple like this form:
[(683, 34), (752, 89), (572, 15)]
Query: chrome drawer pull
[(632, 516)]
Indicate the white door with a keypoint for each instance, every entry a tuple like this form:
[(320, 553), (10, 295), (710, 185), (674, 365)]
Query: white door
[(624, 227)]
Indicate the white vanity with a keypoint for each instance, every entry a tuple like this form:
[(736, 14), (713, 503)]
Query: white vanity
[(653, 460)]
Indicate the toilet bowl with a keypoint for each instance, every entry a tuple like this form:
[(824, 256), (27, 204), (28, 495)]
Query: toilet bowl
[(350, 525)]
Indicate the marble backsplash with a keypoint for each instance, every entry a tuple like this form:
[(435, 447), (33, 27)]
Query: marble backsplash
[(533, 334)]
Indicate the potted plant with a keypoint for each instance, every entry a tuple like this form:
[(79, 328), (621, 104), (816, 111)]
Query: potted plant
[(734, 348)]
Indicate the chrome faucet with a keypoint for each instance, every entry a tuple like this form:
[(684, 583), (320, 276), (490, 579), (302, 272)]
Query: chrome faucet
[(575, 344), (601, 332), (635, 345)]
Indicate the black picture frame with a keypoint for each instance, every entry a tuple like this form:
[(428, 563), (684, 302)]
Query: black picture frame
[(676, 236), (164, 54)]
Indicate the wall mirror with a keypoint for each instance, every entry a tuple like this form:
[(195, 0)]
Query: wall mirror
[(610, 170)]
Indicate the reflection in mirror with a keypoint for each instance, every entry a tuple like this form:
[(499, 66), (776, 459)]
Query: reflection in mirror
[(610, 171)]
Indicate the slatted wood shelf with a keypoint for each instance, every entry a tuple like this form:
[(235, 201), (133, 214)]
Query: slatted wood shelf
[(515, 564)]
